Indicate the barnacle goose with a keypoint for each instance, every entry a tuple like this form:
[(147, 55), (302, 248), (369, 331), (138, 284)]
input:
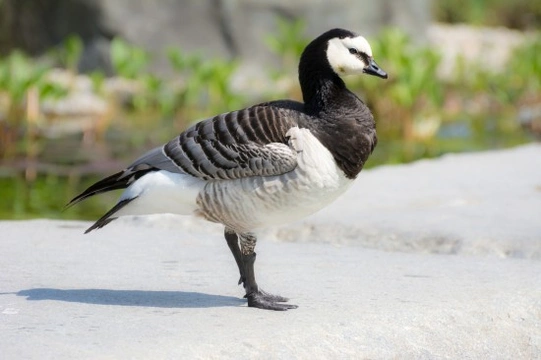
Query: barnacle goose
[(264, 165)]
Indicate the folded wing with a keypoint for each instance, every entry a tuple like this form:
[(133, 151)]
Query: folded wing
[(247, 142)]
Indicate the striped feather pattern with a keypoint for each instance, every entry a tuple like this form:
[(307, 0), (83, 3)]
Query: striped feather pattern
[(248, 142)]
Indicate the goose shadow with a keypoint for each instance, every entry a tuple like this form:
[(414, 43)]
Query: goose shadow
[(141, 298)]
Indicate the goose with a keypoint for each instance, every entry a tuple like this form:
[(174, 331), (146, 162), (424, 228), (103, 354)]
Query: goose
[(264, 165)]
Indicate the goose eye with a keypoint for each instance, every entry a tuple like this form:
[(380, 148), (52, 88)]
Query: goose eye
[(353, 51)]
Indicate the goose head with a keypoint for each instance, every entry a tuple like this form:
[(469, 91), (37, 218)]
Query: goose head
[(351, 54), (327, 59)]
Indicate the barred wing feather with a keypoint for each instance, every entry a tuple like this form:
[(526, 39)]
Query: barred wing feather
[(248, 142)]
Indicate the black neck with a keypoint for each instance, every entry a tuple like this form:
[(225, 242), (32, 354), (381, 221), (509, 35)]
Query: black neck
[(319, 83), (319, 86)]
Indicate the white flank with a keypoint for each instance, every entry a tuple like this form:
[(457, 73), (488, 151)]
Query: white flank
[(342, 61), (161, 192)]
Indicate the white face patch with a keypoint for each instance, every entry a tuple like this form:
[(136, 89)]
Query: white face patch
[(342, 61)]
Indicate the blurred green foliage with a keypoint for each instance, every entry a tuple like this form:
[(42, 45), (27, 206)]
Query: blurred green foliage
[(69, 54), (288, 42), (525, 68), (128, 61), (206, 89), (131, 62), (19, 73), (200, 87), (422, 114), (412, 90), (514, 14), (19, 77)]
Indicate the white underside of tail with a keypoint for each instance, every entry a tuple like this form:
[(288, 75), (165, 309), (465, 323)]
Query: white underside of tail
[(161, 192), (248, 203)]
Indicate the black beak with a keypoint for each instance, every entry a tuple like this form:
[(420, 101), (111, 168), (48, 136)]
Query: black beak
[(374, 69)]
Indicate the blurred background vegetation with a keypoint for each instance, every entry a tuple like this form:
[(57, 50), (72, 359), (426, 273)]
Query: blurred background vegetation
[(61, 130)]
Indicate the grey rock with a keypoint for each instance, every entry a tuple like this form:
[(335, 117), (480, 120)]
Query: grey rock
[(226, 28)]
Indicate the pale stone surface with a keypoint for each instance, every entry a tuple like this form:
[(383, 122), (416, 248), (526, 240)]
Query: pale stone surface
[(486, 203), (165, 287)]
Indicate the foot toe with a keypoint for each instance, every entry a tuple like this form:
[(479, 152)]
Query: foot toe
[(273, 298), (266, 301)]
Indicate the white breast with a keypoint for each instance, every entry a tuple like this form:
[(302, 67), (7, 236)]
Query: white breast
[(250, 203)]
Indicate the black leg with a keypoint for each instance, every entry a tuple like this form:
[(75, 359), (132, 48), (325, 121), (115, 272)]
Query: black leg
[(233, 243), (256, 298)]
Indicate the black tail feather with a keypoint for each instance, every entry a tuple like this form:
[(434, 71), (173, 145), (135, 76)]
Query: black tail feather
[(106, 219), (113, 182), (120, 180)]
